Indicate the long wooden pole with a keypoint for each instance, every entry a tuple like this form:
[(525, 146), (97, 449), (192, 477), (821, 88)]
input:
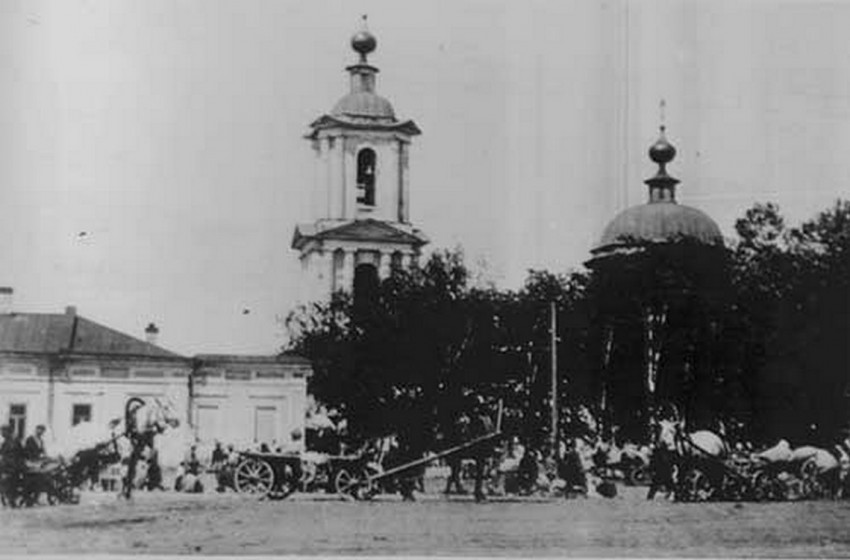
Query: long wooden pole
[(553, 343), (444, 452), (431, 458)]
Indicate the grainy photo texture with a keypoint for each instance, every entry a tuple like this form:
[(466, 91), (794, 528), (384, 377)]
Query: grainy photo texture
[(450, 278)]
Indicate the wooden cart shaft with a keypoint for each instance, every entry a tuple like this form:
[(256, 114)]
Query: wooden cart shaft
[(431, 458)]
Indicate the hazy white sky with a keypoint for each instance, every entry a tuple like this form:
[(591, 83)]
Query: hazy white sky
[(170, 132)]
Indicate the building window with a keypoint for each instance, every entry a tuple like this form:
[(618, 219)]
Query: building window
[(366, 177), (18, 419), (337, 282), (265, 425), (80, 413), (207, 423)]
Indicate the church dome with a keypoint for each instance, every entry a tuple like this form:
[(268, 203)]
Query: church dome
[(661, 219), (364, 104), (657, 222)]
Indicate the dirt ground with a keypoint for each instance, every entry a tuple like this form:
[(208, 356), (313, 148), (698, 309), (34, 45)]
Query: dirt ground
[(169, 523)]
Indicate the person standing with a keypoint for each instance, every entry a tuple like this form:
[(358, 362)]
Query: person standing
[(10, 449), (481, 425), (458, 433), (661, 465), (219, 457), (154, 474), (34, 445), (12, 462), (571, 470)]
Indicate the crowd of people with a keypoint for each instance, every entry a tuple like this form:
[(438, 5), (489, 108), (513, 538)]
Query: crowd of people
[(581, 463)]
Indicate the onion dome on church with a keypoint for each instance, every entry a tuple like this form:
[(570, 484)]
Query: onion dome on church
[(361, 107), (662, 219)]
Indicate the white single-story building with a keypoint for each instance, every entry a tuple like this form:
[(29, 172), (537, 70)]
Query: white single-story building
[(62, 369)]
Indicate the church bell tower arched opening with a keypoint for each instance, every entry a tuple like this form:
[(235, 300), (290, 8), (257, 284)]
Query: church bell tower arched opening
[(361, 196), (366, 177)]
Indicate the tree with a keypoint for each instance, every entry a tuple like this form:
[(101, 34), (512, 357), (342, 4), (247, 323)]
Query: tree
[(403, 359), (790, 321)]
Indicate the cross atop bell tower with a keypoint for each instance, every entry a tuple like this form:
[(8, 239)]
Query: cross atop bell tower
[(361, 199)]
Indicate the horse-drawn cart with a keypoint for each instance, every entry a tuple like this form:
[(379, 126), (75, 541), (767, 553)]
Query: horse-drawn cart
[(747, 478), (277, 475), (23, 483)]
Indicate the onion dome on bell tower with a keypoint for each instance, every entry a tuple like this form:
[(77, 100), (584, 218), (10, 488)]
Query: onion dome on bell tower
[(661, 219)]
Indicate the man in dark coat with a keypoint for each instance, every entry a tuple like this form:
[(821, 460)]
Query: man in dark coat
[(34, 445), (571, 470), (11, 464), (661, 465), (481, 425), (10, 451), (458, 432)]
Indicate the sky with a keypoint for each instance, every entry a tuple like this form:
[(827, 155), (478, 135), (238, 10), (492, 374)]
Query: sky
[(153, 166)]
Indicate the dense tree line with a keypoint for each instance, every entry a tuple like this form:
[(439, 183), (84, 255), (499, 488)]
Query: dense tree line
[(756, 332)]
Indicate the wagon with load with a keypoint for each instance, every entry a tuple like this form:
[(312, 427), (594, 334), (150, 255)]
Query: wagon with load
[(776, 474), (358, 476), (277, 475)]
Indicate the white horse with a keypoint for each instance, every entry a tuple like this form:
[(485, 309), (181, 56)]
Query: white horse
[(143, 421), (705, 444), (686, 459)]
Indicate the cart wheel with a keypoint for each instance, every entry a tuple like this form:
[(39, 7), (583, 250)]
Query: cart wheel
[(640, 476), (254, 476), (366, 489), (811, 480), (345, 483), (358, 487)]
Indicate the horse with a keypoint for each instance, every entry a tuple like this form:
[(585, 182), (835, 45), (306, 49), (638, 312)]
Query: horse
[(696, 456), (143, 421)]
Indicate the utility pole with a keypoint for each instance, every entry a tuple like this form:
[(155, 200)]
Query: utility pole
[(553, 326)]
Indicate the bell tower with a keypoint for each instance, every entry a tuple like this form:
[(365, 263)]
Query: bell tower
[(361, 197)]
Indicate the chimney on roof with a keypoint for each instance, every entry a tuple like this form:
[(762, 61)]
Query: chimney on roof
[(151, 333), (6, 296), (71, 310)]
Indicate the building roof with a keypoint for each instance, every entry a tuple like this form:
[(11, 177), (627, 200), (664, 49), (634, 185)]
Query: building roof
[(659, 222), (361, 108), (364, 104), (285, 359), (50, 333), (359, 230), (661, 219)]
